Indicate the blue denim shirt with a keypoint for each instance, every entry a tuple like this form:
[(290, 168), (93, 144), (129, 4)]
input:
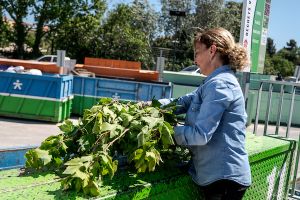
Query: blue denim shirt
[(215, 129)]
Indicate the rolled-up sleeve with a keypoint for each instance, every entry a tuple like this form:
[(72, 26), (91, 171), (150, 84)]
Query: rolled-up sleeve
[(216, 98)]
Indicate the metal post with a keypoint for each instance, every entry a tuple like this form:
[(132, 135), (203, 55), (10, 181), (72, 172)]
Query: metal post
[(160, 65), (245, 82), (60, 62), (296, 168), (257, 108), (291, 112), (268, 108), (279, 109)]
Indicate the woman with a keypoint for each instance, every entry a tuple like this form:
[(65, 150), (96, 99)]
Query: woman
[(215, 120)]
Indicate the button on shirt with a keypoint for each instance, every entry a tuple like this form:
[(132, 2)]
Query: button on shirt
[(215, 129)]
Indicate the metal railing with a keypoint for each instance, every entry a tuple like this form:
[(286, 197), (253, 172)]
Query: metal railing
[(293, 193)]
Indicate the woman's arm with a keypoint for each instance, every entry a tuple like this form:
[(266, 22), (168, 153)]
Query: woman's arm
[(216, 98), (184, 101)]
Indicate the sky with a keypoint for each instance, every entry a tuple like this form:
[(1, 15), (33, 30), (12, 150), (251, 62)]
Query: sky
[(284, 21)]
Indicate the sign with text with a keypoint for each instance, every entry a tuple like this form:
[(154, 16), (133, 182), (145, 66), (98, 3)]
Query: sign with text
[(254, 30)]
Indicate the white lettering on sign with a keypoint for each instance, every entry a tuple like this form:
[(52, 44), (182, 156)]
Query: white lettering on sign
[(258, 13), (264, 36), (257, 22), (17, 85), (256, 32), (255, 41)]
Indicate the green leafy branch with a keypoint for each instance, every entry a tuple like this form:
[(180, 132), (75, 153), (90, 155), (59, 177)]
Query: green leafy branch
[(83, 154)]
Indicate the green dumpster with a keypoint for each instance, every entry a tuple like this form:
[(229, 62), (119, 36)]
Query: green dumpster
[(53, 110), (270, 160)]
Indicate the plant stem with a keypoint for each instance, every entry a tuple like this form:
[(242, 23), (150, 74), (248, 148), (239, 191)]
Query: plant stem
[(111, 143)]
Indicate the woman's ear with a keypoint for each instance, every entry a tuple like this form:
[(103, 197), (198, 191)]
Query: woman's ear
[(213, 49)]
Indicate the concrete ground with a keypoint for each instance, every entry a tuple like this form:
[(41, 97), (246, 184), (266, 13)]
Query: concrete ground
[(18, 132)]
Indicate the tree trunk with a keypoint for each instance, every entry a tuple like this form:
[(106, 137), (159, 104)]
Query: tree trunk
[(38, 38), (20, 38)]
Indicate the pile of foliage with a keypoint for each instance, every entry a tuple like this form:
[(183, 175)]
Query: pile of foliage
[(83, 154)]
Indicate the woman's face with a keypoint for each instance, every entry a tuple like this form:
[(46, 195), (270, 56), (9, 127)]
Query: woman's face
[(202, 58)]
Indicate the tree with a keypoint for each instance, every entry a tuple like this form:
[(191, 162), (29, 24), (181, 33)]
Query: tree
[(18, 10), (79, 33), (169, 24), (291, 52), (44, 12), (278, 64), (291, 45), (270, 49), (120, 38), (208, 13), (200, 13), (231, 16), (146, 18), (5, 34)]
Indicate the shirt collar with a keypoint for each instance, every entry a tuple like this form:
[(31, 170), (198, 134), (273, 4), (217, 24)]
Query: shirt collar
[(217, 71)]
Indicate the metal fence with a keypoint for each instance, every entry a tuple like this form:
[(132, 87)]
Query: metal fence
[(285, 87)]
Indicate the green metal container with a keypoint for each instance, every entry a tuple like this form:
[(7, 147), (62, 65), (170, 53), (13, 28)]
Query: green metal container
[(271, 164), (183, 78), (181, 90), (80, 103), (270, 160), (39, 108)]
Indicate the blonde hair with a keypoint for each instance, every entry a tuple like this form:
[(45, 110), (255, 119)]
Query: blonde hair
[(231, 53)]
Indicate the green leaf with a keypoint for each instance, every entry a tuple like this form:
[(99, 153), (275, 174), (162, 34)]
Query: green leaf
[(118, 107), (32, 160), (151, 158), (81, 175), (78, 185), (67, 126), (152, 121), (80, 160), (126, 118), (141, 139), (58, 161), (97, 124), (44, 156), (135, 125), (108, 127), (50, 142), (72, 169), (105, 101), (109, 113), (96, 169), (91, 189), (166, 132), (155, 103)]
